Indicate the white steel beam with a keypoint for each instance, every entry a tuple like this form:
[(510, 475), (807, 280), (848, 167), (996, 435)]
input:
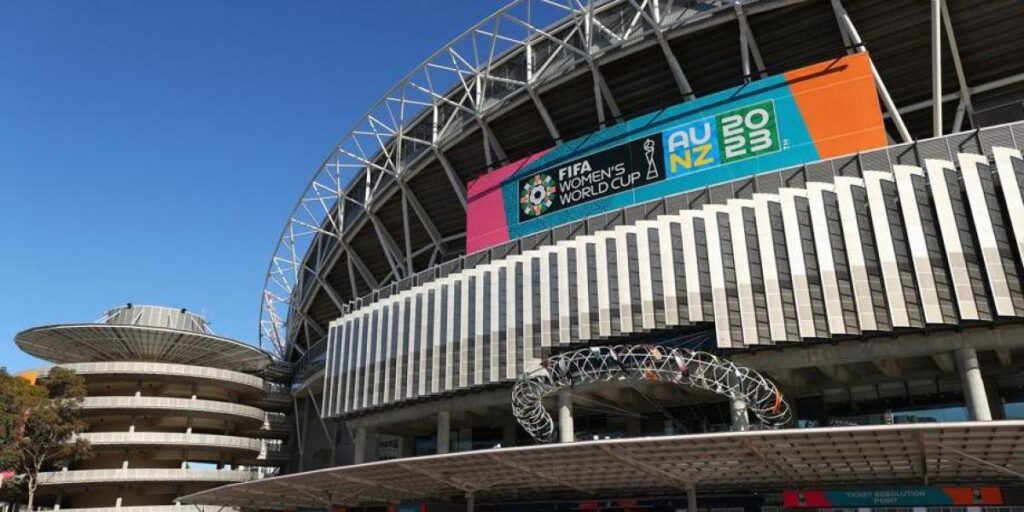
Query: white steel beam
[(936, 21), (453, 178), (421, 213), (961, 77), (846, 24)]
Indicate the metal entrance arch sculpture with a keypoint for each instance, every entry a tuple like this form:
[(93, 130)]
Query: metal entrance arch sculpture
[(680, 366)]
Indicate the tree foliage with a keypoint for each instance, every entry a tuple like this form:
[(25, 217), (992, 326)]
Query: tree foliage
[(38, 427)]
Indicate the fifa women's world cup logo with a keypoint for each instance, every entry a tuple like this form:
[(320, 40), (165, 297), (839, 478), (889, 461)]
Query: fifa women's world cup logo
[(537, 195), (652, 169)]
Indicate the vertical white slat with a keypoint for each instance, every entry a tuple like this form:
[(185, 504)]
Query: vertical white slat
[(414, 332), (389, 352), (1011, 187), (370, 343), (333, 369), (937, 181), (358, 364), (924, 274), (528, 321), (450, 379), (604, 321), (329, 369), (496, 327), (583, 273), (844, 186), (355, 339), (741, 259), (402, 347), (985, 231), (797, 265), (646, 299), (435, 354), (668, 271), (465, 309), (886, 250), (341, 404), (379, 336), (826, 262), (355, 350), (511, 321), (564, 325), (691, 267), (716, 263), (425, 342), (345, 354), (625, 310), (545, 296), (769, 266), (478, 307)]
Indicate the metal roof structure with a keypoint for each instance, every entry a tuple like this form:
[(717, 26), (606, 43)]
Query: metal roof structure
[(388, 202), (141, 333), (932, 454)]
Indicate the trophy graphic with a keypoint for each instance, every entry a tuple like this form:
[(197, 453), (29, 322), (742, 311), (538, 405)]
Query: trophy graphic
[(652, 170)]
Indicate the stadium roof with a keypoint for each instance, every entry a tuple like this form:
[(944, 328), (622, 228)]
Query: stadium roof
[(388, 201), (931, 454)]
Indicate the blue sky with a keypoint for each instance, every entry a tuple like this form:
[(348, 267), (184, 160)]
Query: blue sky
[(151, 151)]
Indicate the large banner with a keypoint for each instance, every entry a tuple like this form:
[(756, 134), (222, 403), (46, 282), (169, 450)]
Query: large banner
[(895, 497), (812, 113)]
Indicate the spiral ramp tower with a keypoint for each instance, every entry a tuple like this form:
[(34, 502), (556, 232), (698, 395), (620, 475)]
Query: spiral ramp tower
[(171, 409)]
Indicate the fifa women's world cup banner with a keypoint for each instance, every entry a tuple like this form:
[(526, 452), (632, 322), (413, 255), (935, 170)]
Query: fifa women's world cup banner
[(812, 113)]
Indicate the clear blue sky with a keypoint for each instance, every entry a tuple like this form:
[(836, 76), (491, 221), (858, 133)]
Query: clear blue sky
[(151, 151)]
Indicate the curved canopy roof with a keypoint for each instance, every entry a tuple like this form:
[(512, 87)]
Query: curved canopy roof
[(912, 454), (141, 333)]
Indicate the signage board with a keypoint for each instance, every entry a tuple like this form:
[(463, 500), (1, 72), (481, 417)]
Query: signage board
[(892, 497), (816, 112)]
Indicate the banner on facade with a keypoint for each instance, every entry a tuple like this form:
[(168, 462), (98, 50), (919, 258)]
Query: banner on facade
[(894, 497), (812, 113)]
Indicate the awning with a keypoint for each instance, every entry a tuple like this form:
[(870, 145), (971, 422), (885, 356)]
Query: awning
[(934, 453)]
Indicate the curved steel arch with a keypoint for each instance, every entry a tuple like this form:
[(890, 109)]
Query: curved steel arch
[(681, 366), (510, 54)]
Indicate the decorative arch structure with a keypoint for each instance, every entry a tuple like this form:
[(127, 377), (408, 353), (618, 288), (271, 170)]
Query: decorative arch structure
[(681, 366)]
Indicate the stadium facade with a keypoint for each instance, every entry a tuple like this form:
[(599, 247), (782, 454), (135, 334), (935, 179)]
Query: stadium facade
[(171, 409), (667, 255), (663, 255)]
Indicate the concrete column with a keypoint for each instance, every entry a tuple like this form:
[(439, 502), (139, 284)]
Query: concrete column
[(691, 498), (995, 400), (508, 435), (634, 426), (973, 384), (360, 446), (470, 502), (738, 415), (334, 443), (408, 448), (566, 429), (444, 432)]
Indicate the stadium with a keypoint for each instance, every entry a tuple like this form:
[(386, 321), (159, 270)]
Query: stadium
[(664, 255)]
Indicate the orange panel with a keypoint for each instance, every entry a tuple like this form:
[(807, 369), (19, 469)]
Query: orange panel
[(839, 105)]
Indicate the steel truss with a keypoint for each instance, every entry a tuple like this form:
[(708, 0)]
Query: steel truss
[(509, 57), (681, 366)]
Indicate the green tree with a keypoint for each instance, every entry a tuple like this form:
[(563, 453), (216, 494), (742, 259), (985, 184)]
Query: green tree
[(38, 427)]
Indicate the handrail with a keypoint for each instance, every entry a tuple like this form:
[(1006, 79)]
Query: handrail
[(175, 404)]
